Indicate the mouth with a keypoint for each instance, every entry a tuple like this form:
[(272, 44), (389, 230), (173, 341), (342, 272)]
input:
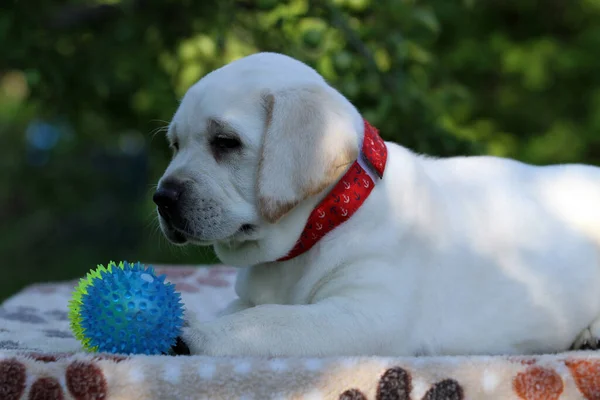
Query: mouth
[(178, 237), (181, 237), (163, 213), (173, 235), (247, 229)]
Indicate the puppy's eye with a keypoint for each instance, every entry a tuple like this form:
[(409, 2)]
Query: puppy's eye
[(175, 146), (225, 143)]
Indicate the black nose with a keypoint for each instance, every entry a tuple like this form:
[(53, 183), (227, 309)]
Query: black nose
[(167, 195)]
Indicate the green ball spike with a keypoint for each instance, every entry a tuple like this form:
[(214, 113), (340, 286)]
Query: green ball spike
[(76, 301)]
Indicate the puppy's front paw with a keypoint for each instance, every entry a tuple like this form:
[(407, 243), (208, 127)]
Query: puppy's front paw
[(193, 339), (586, 340), (180, 348)]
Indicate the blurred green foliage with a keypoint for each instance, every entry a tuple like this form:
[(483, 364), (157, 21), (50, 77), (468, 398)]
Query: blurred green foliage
[(85, 84)]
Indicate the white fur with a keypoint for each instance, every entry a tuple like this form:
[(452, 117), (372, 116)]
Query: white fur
[(467, 255)]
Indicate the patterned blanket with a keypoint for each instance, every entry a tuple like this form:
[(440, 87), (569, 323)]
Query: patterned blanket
[(39, 359)]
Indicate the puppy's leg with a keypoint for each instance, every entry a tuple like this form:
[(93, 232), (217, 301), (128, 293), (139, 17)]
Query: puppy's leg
[(589, 339), (332, 327), (190, 320), (236, 305)]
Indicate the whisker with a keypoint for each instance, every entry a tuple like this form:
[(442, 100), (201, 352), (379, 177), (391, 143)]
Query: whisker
[(152, 222), (158, 130), (159, 120)]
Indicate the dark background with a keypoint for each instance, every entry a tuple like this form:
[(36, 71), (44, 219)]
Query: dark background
[(84, 85)]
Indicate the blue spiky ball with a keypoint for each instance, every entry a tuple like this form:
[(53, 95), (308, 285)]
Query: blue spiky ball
[(125, 308)]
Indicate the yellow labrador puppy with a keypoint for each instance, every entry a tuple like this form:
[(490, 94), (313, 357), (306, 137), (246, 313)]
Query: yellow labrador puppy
[(355, 246)]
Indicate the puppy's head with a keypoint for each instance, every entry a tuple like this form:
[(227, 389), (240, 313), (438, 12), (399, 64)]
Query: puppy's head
[(251, 141)]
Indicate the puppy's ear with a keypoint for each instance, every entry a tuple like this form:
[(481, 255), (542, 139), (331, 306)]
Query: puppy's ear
[(310, 140)]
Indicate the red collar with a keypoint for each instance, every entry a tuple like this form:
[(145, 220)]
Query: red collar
[(347, 195)]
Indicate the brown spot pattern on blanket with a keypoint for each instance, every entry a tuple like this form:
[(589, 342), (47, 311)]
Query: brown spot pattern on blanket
[(587, 377), (86, 381), (45, 358), (183, 278), (185, 287), (538, 383), (394, 384), (448, 389), (46, 288), (9, 344), (22, 314), (117, 358), (46, 388), (175, 273), (352, 394), (12, 379), (522, 360), (57, 334), (59, 315), (214, 278)]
